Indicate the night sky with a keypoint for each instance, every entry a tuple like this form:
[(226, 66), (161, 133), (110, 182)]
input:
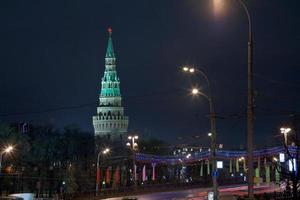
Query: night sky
[(52, 60)]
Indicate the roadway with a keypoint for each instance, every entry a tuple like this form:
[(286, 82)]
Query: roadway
[(226, 192)]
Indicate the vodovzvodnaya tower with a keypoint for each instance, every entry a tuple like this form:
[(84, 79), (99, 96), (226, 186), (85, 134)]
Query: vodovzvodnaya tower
[(110, 120)]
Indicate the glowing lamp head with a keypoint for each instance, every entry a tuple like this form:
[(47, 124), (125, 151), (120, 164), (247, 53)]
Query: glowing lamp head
[(185, 68), (136, 137), (282, 129), (285, 130), (106, 151), (195, 91), (129, 137), (209, 134), (8, 149), (192, 70), (128, 144)]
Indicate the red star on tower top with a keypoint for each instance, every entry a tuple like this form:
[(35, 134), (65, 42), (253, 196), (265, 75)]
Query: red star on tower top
[(109, 30)]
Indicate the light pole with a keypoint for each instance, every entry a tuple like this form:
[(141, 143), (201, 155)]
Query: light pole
[(285, 131), (133, 145), (104, 152), (6, 150), (250, 108), (213, 134)]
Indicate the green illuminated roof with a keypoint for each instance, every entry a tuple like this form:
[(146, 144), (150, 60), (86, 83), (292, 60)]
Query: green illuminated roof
[(110, 80), (110, 49)]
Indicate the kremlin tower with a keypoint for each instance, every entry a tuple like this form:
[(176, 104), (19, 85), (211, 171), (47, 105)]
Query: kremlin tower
[(110, 120)]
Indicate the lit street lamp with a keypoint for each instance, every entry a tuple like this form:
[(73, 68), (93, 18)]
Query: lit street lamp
[(285, 131), (250, 109), (104, 152), (133, 146), (6, 150), (212, 134)]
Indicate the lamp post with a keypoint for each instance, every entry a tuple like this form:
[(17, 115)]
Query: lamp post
[(6, 150), (250, 109), (133, 145), (212, 134), (285, 131), (104, 152)]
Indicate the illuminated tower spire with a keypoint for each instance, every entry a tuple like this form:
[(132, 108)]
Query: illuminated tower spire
[(110, 49), (110, 120)]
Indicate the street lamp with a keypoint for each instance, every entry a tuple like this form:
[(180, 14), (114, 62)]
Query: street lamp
[(103, 152), (285, 131), (250, 107), (6, 150), (133, 146), (212, 134)]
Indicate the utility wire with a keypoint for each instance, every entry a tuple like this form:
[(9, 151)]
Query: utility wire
[(276, 81), (89, 104)]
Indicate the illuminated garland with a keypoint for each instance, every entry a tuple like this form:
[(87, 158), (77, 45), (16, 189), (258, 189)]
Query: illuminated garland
[(220, 154)]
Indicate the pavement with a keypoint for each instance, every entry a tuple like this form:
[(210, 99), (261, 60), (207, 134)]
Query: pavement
[(226, 193)]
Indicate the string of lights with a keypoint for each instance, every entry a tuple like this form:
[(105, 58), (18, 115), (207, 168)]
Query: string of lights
[(220, 154)]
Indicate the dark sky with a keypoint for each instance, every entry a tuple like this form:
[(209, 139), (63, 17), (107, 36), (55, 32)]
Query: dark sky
[(52, 57)]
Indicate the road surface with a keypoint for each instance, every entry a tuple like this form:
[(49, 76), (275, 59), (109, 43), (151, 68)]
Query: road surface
[(201, 193)]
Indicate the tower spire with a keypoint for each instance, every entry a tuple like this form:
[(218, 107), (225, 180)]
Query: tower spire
[(110, 49)]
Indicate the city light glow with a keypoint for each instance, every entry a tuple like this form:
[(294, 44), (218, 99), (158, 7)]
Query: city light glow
[(218, 6)]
